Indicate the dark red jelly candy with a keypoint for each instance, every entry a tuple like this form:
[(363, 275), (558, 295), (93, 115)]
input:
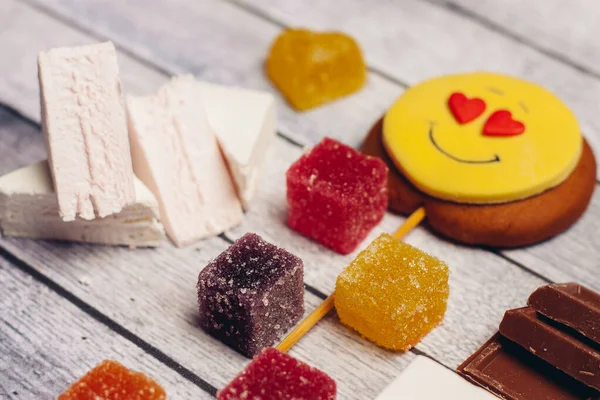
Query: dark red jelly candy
[(251, 294), (274, 375), (336, 195)]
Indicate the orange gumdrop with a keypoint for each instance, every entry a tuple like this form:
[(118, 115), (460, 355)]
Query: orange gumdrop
[(110, 380), (392, 293), (312, 68)]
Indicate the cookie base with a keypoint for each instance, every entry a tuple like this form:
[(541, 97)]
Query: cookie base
[(514, 224)]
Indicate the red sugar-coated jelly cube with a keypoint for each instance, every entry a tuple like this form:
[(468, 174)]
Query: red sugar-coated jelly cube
[(336, 195), (274, 375), (110, 380)]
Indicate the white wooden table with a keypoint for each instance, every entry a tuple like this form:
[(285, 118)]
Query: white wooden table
[(64, 307)]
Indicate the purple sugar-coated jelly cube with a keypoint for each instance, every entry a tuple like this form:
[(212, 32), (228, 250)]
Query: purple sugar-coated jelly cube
[(274, 375), (336, 195), (251, 294)]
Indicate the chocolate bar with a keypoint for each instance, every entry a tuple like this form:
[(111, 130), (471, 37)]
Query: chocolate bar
[(570, 304), (512, 373), (558, 345)]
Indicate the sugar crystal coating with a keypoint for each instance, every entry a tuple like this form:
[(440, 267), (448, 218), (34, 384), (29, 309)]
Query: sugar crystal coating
[(251, 294), (312, 68), (336, 195), (110, 380), (392, 293), (274, 375)]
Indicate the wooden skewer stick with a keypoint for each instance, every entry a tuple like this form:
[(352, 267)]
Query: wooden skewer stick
[(307, 324), (318, 313)]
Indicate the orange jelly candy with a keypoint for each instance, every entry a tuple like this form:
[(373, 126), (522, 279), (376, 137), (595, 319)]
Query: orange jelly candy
[(392, 293), (110, 380), (312, 68)]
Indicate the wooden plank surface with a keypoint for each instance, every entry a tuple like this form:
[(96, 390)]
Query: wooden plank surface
[(475, 274), (101, 275), (151, 292), (564, 30), (268, 214), (221, 43), (418, 55), (426, 40), (413, 40), (25, 32), (47, 343), (224, 43)]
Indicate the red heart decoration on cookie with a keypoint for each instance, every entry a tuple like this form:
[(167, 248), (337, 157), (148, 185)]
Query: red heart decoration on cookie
[(465, 109), (501, 123)]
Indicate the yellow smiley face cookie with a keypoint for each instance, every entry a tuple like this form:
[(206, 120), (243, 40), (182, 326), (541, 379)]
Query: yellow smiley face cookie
[(482, 138)]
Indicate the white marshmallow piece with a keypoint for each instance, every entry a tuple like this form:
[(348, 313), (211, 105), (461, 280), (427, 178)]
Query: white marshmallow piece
[(176, 154), (29, 208), (424, 379), (85, 126), (245, 123)]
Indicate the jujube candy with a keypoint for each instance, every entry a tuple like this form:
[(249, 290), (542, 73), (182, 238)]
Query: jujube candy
[(110, 380), (274, 375), (251, 294), (312, 68), (392, 293), (336, 195)]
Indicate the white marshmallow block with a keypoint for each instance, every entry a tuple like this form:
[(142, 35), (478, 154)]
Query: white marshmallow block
[(85, 126), (176, 154), (245, 123), (29, 208)]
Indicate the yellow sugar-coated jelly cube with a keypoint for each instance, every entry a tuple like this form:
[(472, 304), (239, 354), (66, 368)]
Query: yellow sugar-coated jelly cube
[(392, 293), (312, 68)]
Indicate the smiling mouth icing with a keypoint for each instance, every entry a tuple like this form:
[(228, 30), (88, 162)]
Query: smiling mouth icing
[(495, 159)]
